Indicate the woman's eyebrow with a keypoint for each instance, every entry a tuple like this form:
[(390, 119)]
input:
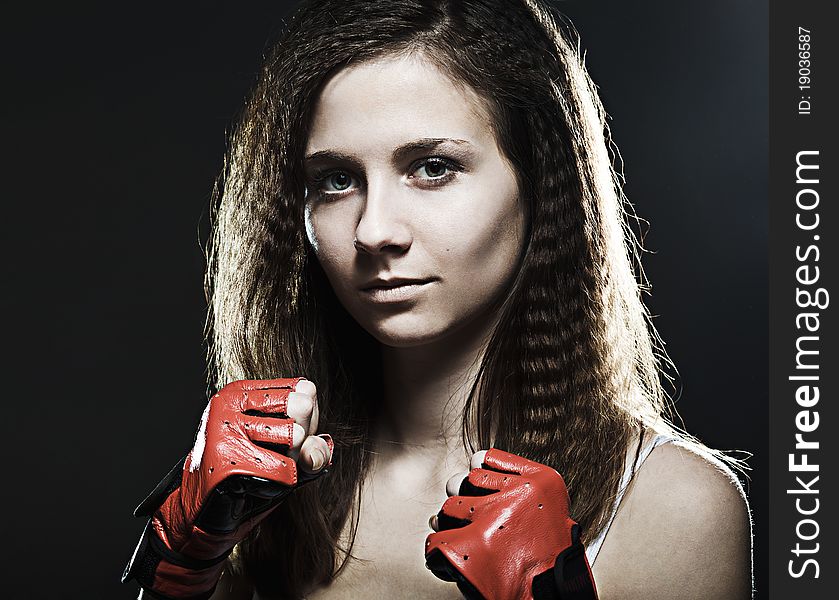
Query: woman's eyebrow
[(401, 152), (334, 155), (424, 145)]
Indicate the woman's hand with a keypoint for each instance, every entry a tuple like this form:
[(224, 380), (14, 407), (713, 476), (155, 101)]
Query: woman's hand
[(505, 533), (253, 437)]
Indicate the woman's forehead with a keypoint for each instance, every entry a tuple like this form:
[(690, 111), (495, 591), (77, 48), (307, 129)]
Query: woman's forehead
[(380, 104)]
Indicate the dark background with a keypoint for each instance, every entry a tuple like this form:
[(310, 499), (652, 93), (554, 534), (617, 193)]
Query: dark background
[(114, 121)]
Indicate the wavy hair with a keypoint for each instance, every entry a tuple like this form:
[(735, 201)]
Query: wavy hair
[(572, 371)]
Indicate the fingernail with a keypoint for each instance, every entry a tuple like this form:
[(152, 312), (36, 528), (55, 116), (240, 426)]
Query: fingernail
[(317, 460)]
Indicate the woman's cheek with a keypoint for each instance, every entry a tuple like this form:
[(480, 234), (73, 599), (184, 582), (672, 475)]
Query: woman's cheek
[(324, 237)]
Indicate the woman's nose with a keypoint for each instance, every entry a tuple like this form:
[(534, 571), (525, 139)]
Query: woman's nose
[(383, 225)]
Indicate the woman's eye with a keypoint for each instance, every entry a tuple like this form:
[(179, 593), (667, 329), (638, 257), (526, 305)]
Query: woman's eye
[(333, 182), (435, 169), (339, 181)]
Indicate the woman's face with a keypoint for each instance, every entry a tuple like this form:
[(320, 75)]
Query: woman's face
[(411, 209)]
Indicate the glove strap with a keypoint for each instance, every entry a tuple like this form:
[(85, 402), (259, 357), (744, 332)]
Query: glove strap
[(169, 575), (167, 485), (570, 578), (162, 573)]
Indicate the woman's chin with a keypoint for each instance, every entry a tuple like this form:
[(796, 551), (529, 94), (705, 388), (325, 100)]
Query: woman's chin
[(404, 339), (406, 334), (415, 329)]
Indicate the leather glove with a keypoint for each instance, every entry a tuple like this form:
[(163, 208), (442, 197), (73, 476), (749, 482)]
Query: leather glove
[(507, 535), (237, 472)]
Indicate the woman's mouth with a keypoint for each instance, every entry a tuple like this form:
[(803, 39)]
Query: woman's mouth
[(393, 291)]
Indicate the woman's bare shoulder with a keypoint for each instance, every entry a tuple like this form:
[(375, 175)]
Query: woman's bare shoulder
[(685, 523)]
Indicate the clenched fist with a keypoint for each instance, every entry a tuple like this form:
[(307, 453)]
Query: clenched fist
[(505, 533), (256, 442)]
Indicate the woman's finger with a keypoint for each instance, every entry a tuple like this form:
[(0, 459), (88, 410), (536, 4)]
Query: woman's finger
[(314, 454), (481, 482), (304, 386), (307, 387), (266, 401), (453, 484), (478, 482), (498, 460), (432, 522), (300, 408), (263, 384), (308, 406), (458, 511), (478, 459), (298, 437), (273, 434)]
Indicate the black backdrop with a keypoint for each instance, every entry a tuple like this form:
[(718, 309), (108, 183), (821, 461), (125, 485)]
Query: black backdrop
[(114, 122)]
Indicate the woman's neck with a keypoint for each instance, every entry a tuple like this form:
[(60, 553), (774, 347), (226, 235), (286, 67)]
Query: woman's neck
[(425, 392)]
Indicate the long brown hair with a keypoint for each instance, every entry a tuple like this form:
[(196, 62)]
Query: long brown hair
[(572, 370)]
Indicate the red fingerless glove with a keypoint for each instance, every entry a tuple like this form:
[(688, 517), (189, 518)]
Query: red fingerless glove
[(234, 476), (508, 535)]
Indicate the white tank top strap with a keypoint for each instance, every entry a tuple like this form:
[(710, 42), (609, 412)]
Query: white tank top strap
[(631, 467)]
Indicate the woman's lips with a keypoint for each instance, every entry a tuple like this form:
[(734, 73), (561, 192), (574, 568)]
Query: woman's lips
[(395, 292)]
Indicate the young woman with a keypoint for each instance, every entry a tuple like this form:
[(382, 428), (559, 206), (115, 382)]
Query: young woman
[(419, 216)]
